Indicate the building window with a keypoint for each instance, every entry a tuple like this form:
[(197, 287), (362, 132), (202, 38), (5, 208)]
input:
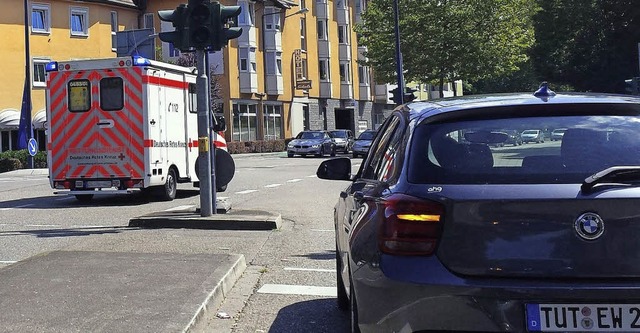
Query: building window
[(244, 122), (243, 54), (322, 29), (363, 75), (148, 21), (303, 34), (345, 73), (274, 62), (305, 68), (272, 122), (324, 70), (114, 30), (341, 4), (40, 18), (173, 52), (271, 19), (39, 78), (252, 59), (321, 1), (79, 23), (343, 34)]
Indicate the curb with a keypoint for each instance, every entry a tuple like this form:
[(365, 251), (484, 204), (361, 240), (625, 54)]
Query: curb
[(191, 219), (207, 309)]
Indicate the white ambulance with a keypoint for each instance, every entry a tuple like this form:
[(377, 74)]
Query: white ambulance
[(122, 124)]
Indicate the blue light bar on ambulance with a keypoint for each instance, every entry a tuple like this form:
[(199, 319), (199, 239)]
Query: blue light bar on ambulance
[(51, 66), (140, 61)]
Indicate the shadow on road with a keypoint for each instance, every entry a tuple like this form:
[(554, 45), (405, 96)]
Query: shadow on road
[(66, 232), (329, 255), (109, 200), (315, 316)]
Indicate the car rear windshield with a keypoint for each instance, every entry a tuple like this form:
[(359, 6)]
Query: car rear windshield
[(339, 134), (480, 152)]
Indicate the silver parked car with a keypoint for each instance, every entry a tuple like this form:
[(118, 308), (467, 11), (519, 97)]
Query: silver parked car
[(363, 142), (343, 139), (439, 231), (318, 143)]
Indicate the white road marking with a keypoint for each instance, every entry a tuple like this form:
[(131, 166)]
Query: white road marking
[(21, 206), (312, 176), (287, 289), (294, 180), (8, 261), (309, 269), (272, 185), (246, 191), (323, 230), (184, 207)]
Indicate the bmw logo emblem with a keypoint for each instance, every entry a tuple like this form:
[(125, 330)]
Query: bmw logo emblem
[(589, 226)]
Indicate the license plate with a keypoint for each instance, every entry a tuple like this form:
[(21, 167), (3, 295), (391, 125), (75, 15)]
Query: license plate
[(98, 183), (583, 317)]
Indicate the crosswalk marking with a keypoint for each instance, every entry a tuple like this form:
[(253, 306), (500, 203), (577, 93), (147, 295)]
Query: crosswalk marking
[(287, 289)]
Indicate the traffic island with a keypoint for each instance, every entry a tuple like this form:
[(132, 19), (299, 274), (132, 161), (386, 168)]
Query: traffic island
[(191, 219)]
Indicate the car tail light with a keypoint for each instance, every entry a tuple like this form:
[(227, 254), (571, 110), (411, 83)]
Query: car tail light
[(412, 226)]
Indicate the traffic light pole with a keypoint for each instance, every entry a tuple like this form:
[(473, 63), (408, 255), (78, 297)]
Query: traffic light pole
[(207, 199)]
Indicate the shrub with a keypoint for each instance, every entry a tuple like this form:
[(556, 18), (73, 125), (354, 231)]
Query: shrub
[(260, 146), (9, 164)]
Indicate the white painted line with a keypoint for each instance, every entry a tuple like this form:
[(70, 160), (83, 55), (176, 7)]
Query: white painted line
[(9, 208), (323, 230), (286, 289), (272, 185), (312, 176), (294, 180), (184, 207), (43, 225), (309, 269), (8, 261), (246, 191)]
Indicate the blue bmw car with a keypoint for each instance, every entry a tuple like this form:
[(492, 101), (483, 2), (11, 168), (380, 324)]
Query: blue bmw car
[(439, 231)]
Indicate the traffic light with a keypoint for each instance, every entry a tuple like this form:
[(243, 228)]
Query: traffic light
[(177, 19), (408, 95), (225, 22), (396, 96), (200, 18), (632, 85)]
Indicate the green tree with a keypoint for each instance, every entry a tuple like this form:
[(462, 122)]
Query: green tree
[(447, 40), (590, 45)]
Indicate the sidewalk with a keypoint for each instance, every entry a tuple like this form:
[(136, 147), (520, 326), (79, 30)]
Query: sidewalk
[(69, 291)]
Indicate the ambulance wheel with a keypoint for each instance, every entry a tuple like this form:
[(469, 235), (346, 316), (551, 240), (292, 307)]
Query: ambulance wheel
[(170, 188), (84, 197)]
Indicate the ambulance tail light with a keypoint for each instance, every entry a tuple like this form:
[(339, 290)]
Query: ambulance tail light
[(62, 185), (51, 66), (140, 61), (132, 183)]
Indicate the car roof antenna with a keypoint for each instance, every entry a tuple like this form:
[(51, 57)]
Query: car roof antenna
[(544, 92)]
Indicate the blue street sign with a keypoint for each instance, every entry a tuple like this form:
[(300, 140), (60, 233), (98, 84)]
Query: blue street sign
[(32, 147)]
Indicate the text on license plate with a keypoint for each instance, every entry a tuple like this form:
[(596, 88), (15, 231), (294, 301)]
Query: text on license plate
[(583, 317)]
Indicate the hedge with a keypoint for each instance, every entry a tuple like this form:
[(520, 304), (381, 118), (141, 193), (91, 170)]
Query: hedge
[(267, 146), (18, 159)]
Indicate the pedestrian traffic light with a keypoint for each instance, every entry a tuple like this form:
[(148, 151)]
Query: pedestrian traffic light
[(177, 19), (408, 95), (632, 85), (225, 21), (201, 25), (396, 96)]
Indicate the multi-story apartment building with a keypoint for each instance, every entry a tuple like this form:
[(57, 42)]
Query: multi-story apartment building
[(57, 30), (295, 66)]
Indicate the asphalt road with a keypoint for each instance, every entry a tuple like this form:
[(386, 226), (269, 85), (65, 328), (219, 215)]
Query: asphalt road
[(289, 284)]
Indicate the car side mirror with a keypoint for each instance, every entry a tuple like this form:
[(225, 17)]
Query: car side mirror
[(335, 169), (220, 124)]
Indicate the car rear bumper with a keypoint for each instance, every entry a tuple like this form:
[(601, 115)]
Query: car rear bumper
[(422, 295)]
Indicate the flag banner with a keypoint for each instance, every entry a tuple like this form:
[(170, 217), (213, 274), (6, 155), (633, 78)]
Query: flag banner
[(25, 118)]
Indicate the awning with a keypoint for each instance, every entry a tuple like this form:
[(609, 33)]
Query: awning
[(9, 119), (39, 121)]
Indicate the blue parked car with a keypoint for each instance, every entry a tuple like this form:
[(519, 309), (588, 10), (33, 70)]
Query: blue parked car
[(439, 231), (361, 145)]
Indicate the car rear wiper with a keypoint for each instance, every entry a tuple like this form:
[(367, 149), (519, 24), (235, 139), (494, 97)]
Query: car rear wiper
[(616, 174)]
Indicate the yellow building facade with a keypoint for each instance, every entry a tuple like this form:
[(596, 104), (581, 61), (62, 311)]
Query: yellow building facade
[(57, 30)]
